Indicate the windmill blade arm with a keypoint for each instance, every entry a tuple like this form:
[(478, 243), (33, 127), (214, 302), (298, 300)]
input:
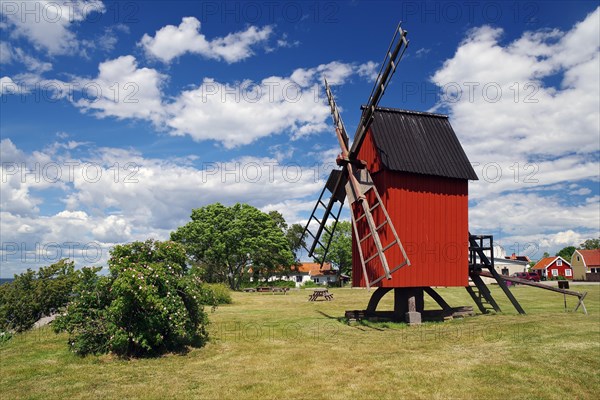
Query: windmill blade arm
[(388, 67), (340, 129), (335, 185)]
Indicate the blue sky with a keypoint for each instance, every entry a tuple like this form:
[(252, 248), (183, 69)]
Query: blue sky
[(149, 109)]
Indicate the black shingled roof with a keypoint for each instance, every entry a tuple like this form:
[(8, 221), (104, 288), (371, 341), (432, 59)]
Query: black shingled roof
[(419, 142)]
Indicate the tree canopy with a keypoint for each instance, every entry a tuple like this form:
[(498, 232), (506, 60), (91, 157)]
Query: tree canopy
[(34, 294), (590, 244), (226, 241), (340, 250), (293, 233), (294, 237), (566, 252)]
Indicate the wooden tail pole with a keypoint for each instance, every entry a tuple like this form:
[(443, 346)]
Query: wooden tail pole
[(580, 296)]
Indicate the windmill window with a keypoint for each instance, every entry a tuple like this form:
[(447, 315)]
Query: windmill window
[(578, 259), (559, 263)]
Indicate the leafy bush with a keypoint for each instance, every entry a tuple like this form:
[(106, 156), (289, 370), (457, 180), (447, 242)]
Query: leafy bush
[(147, 305), (281, 283), (558, 278), (86, 317), (213, 294), (276, 283), (32, 295), (310, 284), (336, 284)]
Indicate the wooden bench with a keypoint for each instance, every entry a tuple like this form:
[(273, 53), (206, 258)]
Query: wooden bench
[(268, 289)]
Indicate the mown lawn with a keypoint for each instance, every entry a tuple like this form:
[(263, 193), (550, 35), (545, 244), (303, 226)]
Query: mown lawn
[(284, 347)]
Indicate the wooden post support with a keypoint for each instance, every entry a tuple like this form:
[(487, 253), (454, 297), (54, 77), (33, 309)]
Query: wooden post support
[(411, 304), (408, 304)]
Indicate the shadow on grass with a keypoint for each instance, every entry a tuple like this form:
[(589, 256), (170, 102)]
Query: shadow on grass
[(345, 321)]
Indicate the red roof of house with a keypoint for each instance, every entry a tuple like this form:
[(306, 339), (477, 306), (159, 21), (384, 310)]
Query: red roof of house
[(518, 258), (313, 268), (546, 261), (305, 268), (591, 258)]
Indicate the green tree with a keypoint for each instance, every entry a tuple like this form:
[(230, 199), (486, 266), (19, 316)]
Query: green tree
[(590, 244), (340, 250), (566, 252), (293, 233), (228, 240), (279, 220), (295, 239), (546, 254), (18, 307), (34, 294)]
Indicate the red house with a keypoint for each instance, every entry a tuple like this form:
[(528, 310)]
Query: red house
[(553, 267), (421, 172)]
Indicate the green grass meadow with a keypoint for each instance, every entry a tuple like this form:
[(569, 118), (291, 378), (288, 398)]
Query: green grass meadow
[(266, 346)]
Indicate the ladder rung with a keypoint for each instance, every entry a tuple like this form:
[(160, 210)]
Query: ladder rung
[(382, 251), (389, 245), (314, 237), (391, 271), (323, 204), (371, 233), (370, 209), (372, 257)]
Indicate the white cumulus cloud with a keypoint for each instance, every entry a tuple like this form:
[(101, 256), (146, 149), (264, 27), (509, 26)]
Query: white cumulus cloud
[(48, 24), (171, 42)]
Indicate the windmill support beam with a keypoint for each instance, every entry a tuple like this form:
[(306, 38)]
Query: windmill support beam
[(409, 307)]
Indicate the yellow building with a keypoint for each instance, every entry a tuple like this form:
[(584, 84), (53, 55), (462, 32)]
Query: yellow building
[(586, 264)]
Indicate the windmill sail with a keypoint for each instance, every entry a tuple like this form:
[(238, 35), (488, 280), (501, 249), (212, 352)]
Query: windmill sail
[(357, 184), (335, 188), (388, 67)]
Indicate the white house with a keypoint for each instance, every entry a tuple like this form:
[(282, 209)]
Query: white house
[(308, 272), (504, 265)]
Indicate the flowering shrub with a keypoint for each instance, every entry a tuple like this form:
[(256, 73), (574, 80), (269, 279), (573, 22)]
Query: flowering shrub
[(148, 304), (86, 317)]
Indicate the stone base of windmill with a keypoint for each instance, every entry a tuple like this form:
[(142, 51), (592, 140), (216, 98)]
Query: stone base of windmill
[(409, 307)]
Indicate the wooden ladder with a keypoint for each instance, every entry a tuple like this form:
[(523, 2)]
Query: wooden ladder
[(364, 178), (481, 295)]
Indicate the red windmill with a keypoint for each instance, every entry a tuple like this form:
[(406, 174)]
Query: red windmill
[(406, 177)]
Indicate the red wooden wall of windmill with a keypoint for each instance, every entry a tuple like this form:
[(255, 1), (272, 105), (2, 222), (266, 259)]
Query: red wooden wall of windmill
[(430, 214)]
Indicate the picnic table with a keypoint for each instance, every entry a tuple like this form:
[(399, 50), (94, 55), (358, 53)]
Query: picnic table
[(320, 293)]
